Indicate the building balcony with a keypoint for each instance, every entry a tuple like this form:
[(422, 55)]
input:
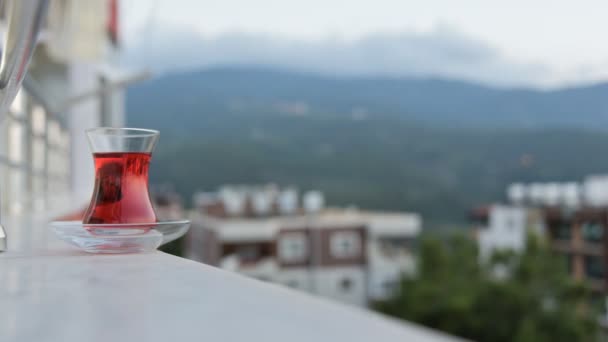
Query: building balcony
[(586, 248), (564, 246), (50, 291)]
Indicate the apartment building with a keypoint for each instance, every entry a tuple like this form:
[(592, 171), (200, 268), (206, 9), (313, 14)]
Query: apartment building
[(572, 216), (349, 255), (505, 227), (580, 237)]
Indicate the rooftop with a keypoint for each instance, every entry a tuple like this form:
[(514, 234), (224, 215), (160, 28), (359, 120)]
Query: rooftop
[(266, 228)]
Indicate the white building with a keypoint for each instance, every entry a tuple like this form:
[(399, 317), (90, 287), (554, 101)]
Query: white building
[(391, 238), (347, 255), (44, 157), (506, 229)]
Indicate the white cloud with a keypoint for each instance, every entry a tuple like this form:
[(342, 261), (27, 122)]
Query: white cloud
[(442, 52)]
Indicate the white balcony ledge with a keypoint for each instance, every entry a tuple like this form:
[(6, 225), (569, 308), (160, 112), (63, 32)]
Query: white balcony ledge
[(50, 292)]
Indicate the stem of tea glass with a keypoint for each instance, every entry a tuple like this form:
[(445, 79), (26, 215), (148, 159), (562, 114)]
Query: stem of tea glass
[(24, 19)]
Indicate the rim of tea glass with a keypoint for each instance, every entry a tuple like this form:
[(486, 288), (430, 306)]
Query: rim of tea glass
[(123, 131)]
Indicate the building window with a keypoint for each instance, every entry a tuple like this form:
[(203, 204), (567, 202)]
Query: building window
[(248, 253), (345, 245), (510, 223), (592, 231), (594, 267), (293, 247), (16, 146), (563, 231), (346, 284), (38, 120), (393, 246), (32, 165)]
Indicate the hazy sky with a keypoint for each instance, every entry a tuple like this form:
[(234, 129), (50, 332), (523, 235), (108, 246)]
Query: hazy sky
[(564, 35)]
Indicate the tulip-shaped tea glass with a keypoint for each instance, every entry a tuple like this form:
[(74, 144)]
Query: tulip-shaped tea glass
[(120, 218), (122, 158)]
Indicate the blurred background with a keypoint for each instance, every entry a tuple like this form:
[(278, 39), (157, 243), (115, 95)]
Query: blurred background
[(440, 162)]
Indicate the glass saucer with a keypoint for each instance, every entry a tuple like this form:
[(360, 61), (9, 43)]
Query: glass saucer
[(119, 238)]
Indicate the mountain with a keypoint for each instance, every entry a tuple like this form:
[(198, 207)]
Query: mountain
[(448, 102), (436, 147)]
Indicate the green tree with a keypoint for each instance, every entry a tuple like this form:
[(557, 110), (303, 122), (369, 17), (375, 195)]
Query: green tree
[(512, 297)]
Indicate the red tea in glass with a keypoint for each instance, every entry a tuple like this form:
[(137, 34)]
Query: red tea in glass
[(121, 189), (122, 158)]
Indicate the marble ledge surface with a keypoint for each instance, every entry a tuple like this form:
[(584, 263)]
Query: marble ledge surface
[(51, 292)]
